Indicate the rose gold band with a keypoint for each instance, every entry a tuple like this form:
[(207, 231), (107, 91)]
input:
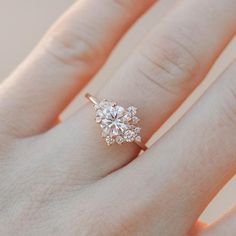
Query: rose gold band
[(95, 101), (91, 98)]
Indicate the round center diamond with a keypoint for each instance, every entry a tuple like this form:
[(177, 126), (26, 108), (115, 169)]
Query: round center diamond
[(115, 121)]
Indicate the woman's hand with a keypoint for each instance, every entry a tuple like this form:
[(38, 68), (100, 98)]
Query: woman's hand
[(64, 180)]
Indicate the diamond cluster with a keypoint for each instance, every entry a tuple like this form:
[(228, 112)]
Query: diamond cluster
[(118, 125)]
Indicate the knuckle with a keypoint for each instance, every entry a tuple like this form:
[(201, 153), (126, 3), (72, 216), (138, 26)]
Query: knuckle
[(73, 46), (169, 61)]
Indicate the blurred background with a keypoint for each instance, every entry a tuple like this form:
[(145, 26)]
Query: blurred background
[(23, 23)]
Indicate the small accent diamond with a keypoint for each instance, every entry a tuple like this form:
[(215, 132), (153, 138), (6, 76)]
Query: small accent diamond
[(99, 113), (105, 132), (135, 119), (129, 136), (127, 117), (104, 103), (109, 140), (119, 139), (138, 139), (137, 130), (132, 110), (96, 107), (98, 119)]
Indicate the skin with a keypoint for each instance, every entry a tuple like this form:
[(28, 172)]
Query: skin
[(63, 180)]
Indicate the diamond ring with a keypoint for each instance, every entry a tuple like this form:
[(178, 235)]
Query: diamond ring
[(119, 125)]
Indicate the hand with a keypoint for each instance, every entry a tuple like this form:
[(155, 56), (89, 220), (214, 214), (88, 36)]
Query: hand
[(63, 180)]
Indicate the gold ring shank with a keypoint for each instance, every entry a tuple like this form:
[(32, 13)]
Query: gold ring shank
[(95, 101), (91, 98)]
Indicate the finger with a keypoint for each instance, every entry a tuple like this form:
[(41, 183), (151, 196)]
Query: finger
[(224, 226), (69, 55), (183, 171), (157, 78)]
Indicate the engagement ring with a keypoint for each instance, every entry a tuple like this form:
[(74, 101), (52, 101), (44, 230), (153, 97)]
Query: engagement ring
[(118, 125)]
